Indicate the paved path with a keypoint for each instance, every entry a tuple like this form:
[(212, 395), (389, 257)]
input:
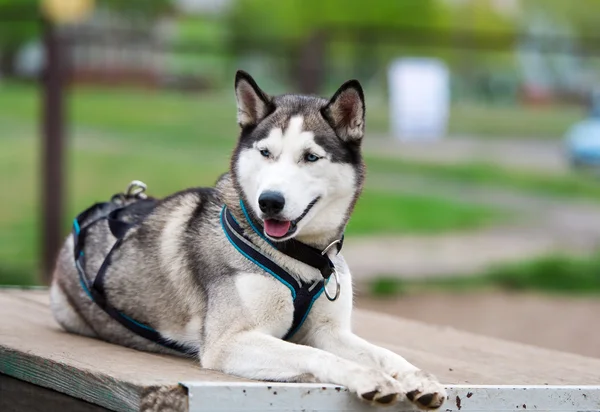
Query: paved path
[(533, 154)]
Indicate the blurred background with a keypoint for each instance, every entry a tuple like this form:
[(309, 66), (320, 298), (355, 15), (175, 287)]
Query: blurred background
[(482, 203)]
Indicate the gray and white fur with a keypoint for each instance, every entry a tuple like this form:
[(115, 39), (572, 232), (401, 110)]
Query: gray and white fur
[(177, 272)]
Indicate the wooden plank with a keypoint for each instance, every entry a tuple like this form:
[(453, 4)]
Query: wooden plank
[(34, 349), (458, 357), (21, 396)]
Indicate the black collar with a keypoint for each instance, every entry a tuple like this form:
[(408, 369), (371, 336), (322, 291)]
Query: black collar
[(296, 250)]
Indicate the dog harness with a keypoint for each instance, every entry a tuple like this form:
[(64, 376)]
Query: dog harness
[(303, 294), (121, 216)]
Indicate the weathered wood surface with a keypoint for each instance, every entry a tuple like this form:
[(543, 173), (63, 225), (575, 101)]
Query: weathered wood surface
[(457, 357), (34, 349)]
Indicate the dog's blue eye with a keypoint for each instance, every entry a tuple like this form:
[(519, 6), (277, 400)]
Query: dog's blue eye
[(310, 157), (265, 153)]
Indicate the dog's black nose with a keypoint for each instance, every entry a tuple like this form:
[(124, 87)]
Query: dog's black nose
[(271, 202)]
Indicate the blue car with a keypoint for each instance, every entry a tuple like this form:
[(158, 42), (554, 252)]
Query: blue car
[(583, 143), (583, 138)]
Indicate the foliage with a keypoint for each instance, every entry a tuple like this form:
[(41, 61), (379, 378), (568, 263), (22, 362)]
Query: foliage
[(479, 16), (362, 37), (149, 8), (384, 287), (583, 16), (552, 274), (294, 19), (17, 22)]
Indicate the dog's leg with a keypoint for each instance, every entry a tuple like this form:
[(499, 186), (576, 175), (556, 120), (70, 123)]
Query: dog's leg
[(420, 387), (259, 356)]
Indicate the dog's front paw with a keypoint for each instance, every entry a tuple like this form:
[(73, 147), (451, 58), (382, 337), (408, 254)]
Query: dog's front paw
[(375, 386), (422, 389)]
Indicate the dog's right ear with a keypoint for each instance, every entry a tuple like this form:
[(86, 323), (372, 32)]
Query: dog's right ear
[(253, 104)]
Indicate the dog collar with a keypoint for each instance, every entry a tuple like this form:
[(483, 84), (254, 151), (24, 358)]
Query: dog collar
[(298, 250)]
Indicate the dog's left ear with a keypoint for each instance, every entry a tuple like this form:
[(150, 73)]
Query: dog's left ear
[(345, 112)]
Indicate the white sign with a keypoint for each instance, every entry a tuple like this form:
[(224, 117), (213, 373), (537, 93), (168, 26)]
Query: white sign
[(419, 98)]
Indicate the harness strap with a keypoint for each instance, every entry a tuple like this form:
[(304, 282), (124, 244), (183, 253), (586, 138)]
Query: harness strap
[(96, 291), (303, 294)]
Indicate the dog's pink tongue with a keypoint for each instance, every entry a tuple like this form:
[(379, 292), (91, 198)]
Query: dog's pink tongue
[(277, 228)]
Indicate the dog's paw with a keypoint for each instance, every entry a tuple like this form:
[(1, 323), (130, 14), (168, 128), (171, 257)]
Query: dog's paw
[(423, 389), (377, 387)]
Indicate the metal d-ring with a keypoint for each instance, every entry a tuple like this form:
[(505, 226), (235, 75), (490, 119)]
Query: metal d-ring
[(136, 189), (337, 286), (335, 242)]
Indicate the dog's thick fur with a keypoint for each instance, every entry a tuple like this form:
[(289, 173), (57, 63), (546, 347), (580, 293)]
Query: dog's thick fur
[(178, 273)]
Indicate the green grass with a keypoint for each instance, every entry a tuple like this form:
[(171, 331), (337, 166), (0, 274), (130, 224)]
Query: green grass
[(492, 121), (393, 213), (567, 184), (552, 274), (169, 141), (512, 121)]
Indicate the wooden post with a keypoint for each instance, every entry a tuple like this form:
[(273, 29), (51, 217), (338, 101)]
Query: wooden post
[(310, 66), (53, 121)]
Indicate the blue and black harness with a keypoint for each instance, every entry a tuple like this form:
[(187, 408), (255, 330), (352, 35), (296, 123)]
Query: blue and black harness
[(125, 211)]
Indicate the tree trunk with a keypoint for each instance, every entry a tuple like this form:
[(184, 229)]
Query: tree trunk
[(7, 61), (310, 64)]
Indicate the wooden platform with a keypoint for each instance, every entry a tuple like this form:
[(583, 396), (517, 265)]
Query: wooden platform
[(34, 350)]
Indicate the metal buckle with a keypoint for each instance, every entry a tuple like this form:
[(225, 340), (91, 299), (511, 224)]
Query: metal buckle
[(335, 242), (334, 273), (136, 189), (337, 286)]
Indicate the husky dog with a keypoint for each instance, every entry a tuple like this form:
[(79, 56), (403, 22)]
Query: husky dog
[(185, 270)]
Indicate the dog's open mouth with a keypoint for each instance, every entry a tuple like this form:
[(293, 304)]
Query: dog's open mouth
[(278, 229)]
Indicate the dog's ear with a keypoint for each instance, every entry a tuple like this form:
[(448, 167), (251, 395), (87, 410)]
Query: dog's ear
[(345, 112), (253, 104)]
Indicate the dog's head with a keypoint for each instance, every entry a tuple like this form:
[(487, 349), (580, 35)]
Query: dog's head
[(298, 163)]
